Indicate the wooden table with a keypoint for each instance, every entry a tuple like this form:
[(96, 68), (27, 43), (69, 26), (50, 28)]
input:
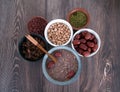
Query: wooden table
[(100, 73)]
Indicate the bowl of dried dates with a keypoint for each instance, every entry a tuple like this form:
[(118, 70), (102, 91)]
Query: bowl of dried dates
[(86, 42), (67, 68), (29, 51), (58, 32)]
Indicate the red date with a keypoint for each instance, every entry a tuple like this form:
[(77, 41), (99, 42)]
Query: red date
[(70, 74), (83, 46), (50, 64), (76, 42)]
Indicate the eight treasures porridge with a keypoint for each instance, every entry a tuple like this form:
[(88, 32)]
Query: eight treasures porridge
[(66, 66), (58, 33)]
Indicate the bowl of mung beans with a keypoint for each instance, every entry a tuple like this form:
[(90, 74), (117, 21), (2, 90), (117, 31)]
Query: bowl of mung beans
[(58, 32)]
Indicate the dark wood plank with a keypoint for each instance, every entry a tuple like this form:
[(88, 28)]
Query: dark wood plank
[(100, 73)]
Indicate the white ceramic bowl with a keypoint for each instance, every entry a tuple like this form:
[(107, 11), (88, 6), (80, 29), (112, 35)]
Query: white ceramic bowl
[(92, 32), (56, 21)]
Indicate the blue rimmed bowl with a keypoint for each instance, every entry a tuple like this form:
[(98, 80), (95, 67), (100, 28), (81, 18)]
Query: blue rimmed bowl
[(49, 78)]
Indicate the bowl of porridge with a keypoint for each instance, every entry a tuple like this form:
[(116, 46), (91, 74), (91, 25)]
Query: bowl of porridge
[(67, 68)]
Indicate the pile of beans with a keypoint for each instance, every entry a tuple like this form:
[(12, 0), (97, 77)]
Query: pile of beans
[(58, 33), (85, 43), (37, 25), (66, 66)]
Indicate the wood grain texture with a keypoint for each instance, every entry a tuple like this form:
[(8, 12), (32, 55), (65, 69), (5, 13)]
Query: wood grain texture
[(100, 73)]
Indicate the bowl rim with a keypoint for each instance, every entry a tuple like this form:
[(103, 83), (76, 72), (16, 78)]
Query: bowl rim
[(81, 10), (23, 38), (73, 79), (92, 32), (56, 21)]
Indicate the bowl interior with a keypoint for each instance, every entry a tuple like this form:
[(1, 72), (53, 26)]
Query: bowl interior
[(56, 81), (92, 32), (56, 21), (78, 10), (37, 20), (23, 39)]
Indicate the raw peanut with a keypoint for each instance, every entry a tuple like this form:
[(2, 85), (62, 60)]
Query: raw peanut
[(90, 44), (95, 47), (81, 51), (87, 36), (50, 64), (83, 46), (76, 42), (77, 37), (86, 53), (92, 37), (58, 54), (70, 74), (82, 41), (89, 50)]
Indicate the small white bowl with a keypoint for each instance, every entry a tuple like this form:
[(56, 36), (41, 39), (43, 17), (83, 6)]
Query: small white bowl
[(92, 32), (58, 21)]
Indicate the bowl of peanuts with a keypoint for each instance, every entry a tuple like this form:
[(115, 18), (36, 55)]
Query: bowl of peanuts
[(58, 32), (86, 42)]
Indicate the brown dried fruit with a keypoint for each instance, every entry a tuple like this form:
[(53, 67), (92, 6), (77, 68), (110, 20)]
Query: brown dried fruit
[(89, 50), (86, 53), (81, 51), (77, 37), (70, 74), (50, 64), (82, 41), (90, 44), (92, 37), (84, 33), (76, 42), (95, 40), (95, 47), (83, 46), (87, 36), (58, 54)]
